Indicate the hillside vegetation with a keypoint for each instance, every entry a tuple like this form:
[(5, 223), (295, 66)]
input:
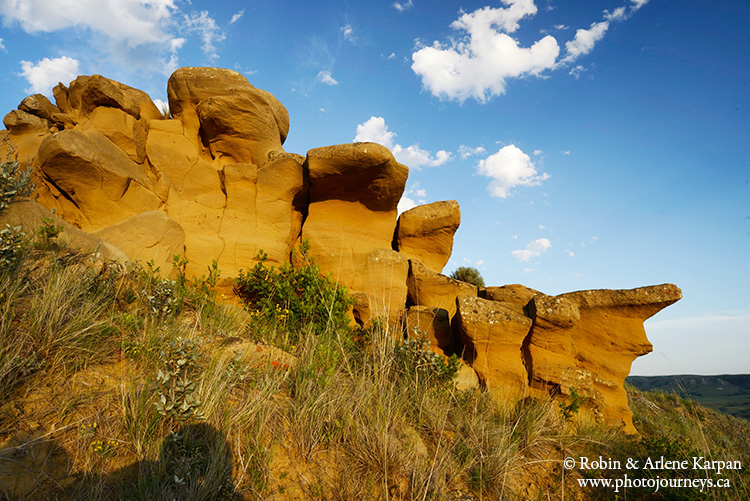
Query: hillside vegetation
[(118, 383), (729, 393)]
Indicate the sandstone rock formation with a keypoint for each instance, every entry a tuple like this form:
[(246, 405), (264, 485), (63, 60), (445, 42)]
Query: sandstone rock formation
[(431, 323), (589, 339), (492, 336), (426, 233), (210, 180)]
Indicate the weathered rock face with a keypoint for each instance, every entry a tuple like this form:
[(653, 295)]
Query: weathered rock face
[(354, 191), (432, 323), (492, 337), (429, 288), (589, 339), (585, 340), (214, 183), (426, 233)]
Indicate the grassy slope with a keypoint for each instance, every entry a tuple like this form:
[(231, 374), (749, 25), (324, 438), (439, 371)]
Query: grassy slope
[(729, 393), (286, 414)]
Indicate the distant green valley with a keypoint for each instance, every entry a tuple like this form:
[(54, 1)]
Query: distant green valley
[(728, 393)]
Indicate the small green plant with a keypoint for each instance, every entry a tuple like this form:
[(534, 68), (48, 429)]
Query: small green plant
[(175, 381), (11, 242), (572, 405), (468, 274), (296, 297), (48, 232), (161, 298), (414, 359), (104, 448), (13, 183)]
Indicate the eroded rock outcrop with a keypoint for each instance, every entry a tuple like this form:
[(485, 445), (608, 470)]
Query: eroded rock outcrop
[(425, 233), (589, 340), (211, 180), (354, 192), (492, 336)]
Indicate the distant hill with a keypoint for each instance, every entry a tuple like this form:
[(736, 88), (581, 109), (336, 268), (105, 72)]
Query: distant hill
[(729, 393)]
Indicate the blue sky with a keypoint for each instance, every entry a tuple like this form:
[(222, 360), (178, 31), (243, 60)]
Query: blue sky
[(590, 144)]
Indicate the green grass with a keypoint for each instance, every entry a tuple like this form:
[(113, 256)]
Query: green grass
[(728, 393)]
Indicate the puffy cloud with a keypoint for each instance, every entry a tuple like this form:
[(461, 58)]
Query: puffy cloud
[(465, 152), (478, 65), (401, 7), (532, 250), (637, 4), (46, 73), (413, 196), (133, 21), (584, 41), (375, 130), (508, 168), (163, 106), (326, 78), (140, 35)]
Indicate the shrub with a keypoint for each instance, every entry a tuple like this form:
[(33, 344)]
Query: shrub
[(297, 297), (11, 241), (468, 274), (175, 381), (414, 359), (13, 183)]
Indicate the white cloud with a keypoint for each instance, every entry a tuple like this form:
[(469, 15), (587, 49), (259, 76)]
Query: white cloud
[(561, 27), (349, 35), (206, 27), (413, 196), (237, 16), (584, 41), (532, 250), (138, 35), (479, 262), (2, 44), (570, 253), (465, 152), (508, 168), (566, 152), (46, 73), (401, 7), (162, 105), (542, 227), (326, 78), (637, 4), (133, 21), (478, 65), (375, 130), (616, 15), (416, 157), (538, 152), (577, 71)]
